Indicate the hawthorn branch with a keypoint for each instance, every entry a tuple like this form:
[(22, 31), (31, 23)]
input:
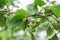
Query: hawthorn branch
[(41, 15)]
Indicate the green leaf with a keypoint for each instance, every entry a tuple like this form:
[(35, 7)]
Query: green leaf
[(2, 20), (43, 19), (54, 37), (2, 3), (21, 13), (50, 30), (32, 8), (15, 20), (58, 6), (18, 28), (57, 27), (6, 3), (56, 11), (47, 10), (15, 23), (39, 2), (53, 20)]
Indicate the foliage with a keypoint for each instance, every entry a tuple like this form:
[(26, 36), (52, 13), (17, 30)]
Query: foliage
[(30, 21)]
